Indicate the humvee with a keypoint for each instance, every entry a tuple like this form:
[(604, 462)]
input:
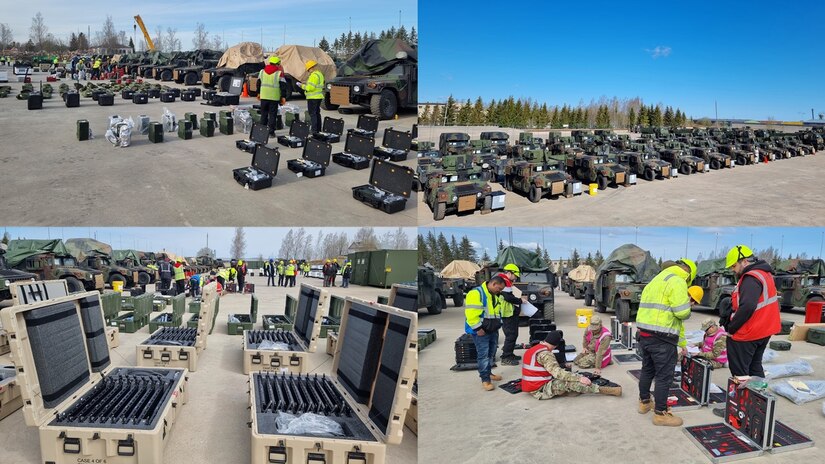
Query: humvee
[(718, 283), (602, 170), (433, 290), (620, 281), (9, 275), (539, 177), (453, 142), (680, 158), (497, 139), (457, 190), (645, 164), (49, 260), (799, 281)]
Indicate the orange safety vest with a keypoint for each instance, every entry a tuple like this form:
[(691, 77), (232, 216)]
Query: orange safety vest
[(608, 355), (533, 374), (765, 320)]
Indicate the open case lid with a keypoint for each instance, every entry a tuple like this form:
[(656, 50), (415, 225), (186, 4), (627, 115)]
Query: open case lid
[(397, 140), (311, 308), (299, 129), (391, 177), (253, 307), (317, 151), (266, 159), (376, 361), (751, 412), (178, 305), (415, 131), (367, 122), (333, 126), (290, 307), (59, 348), (259, 133), (236, 86), (404, 297), (209, 305), (28, 292), (359, 144)]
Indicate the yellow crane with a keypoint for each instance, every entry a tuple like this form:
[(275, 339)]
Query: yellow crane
[(145, 33)]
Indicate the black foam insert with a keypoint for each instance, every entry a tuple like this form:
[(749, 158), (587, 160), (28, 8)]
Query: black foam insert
[(397, 140), (360, 350), (59, 352), (406, 298), (305, 315), (299, 129), (255, 337), (94, 327), (392, 355), (266, 159)]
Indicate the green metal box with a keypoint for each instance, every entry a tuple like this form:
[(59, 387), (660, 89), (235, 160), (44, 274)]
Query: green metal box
[(111, 303), (82, 129), (816, 335), (207, 127), (185, 130), (178, 307), (227, 126), (245, 321), (360, 267), (193, 118), (155, 132), (387, 267), (329, 324)]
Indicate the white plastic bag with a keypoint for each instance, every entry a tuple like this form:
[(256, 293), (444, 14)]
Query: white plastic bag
[(786, 388), (169, 121), (242, 120), (769, 356), (307, 424), (270, 345), (234, 320), (794, 368), (695, 337), (143, 124)]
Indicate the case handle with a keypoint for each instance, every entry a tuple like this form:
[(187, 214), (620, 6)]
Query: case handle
[(277, 455), (294, 360), (256, 359), (165, 356), (147, 354), (355, 457), (126, 447), (275, 361), (313, 458), (183, 355), (71, 445)]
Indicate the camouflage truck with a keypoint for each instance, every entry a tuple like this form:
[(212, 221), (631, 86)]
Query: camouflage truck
[(799, 281), (9, 275), (681, 159), (620, 281), (50, 260), (458, 188), (741, 156), (751, 147), (97, 255), (497, 139), (154, 58), (784, 143), (433, 290), (702, 148), (190, 72), (811, 138), (131, 260), (537, 281), (237, 61), (645, 164), (770, 147), (165, 71), (801, 148), (718, 283), (453, 142), (538, 177), (382, 76), (602, 170)]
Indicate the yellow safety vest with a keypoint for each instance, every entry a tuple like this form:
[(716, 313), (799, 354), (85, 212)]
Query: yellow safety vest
[(664, 304), (224, 273), (96, 65), (290, 270), (314, 88), (475, 311), (270, 85), (179, 275)]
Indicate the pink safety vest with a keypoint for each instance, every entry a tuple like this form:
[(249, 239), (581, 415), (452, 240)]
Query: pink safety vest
[(707, 345), (608, 355)]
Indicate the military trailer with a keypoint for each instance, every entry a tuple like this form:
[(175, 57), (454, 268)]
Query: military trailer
[(237, 61), (799, 281), (717, 282), (645, 164), (8, 275), (382, 76), (50, 260), (620, 281), (537, 281)]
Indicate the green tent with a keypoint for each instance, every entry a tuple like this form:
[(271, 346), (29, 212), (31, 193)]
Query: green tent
[(527, 261), (80, 248), (709, 266), (801, 266), (19, 250), (633, 260)]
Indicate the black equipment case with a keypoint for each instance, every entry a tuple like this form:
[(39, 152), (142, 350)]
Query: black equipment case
[(258, 135), (357, 151), (331, 131), (389, 187), (298, 133), (314, 161), (232, 97), (367, 125), (395, 146), (262, 171)]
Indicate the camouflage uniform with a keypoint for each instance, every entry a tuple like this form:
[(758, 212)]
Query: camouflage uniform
[(718, 347), (589, 357), (563, 381)]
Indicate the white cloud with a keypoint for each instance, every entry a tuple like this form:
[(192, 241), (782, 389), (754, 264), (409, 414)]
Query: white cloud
[(659, 51)]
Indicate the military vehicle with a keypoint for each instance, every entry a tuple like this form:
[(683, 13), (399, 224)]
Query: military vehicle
[(770, 147), (453, 142), (579, 278), (537, 177), (718, 283), (799, 281), (237, 61), (741, 156), (50, 260), (704, 149), (433, 290), (97, 255), (801, 148), (680, 158), (811, 138), (154, 59), (537, 281), (293, 60), (131, 260), (497, 139), (190, 72), (9, 275), (458, 188), (620, 281), (785, 144), (645, 164), (165, 71), (602, 170), (382, 76)]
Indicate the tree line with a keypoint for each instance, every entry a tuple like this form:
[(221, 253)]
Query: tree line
[(347, 44)]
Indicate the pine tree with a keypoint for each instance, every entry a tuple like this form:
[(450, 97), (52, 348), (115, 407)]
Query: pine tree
[(668, 117), (574, 258), (644, 118), (631, 118), (468, 253), (424, 117), (500, 245), (545, 256), (555, 121), (423, 251), (451, 111), (599, 259), (436, 119), (324, 44), (485, 258), (589, 259), (432, 244), (455, 250), (444, 252), (413, 37), (656, 119), (465, 113), (477, 116)]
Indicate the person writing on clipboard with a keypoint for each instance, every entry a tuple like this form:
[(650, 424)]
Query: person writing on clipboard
[(511, 308)]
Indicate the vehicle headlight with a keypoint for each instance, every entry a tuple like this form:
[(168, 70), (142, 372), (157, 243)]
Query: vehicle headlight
[(478, 194), (329, 86), (455, 198), (356, 88), (8, 283), (533, 297)]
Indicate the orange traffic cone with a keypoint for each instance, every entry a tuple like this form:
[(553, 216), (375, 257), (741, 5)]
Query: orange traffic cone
[(245, 94)]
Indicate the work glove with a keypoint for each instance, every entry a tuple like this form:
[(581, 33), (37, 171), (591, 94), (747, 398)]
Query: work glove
[(283, 101)]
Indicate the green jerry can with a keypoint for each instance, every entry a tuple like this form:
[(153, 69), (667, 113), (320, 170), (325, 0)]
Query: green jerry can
[(289, 118), (207, 127), (82, 129), (185, 130), (155, 132), (816, 335), (779, 345), (193, 118), (210, 115), (224, 114), (256, 115), (227, 125)]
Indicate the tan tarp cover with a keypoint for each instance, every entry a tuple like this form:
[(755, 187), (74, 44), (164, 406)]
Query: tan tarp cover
[(173, 257), (294, 57), (244, 52), (459, 269), (583, 273)]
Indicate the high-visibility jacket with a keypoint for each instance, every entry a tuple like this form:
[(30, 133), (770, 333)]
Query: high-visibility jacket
[(765, 320), (664, 304), (232, 273), (224, 273), (55, 61), (480, 304), (166, 270), (179, 274), (290, 270), (710, 340), (280, 269), (270, 85), (96, 64), (507, 309), (533, 374), (608, 355), (314, 86)]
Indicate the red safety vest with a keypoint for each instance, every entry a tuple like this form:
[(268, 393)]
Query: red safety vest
[(765, 320), (707, 346), (533, 374), (608, 355)]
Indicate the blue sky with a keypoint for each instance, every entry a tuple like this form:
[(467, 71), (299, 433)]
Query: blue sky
[(265, 241), (665, 242), (758, 59), (305, 20)]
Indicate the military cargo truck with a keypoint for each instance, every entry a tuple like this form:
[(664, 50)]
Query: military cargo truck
[(50, 260), (9, 275), (621, 279), (190, 72), (799, 281), (131, 260), (433, 290)]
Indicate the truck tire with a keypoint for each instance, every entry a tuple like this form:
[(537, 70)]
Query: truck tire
[(715, 164), (74, 285), (458, 299), (549, 311), (190, 78), (535, 194), (117, 278), (588, 299), (601, 308), (741, 160), (440, 211), (602, 181), (144, 278), (384, 105), (326, 103), (147, 74), (623, 310), (437, 305), (166, 75), (224, 82), (508, 183), (488, 203), (649, 175), (577, 294), (685, 169)]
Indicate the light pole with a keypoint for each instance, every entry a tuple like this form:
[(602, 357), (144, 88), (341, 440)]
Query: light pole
[(716, 247), (821, 241)]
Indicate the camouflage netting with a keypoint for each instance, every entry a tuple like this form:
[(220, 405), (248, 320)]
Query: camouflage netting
[(22, 249), (80, 248), (632, 259), (527, 261), (802, 266), (377, 57), (243, 53), (294, 58), (582, 273), (709, 266)]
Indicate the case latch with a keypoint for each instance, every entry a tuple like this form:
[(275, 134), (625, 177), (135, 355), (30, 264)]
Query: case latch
[(126, 447), (294, 360), (256, 359), (275, 361), (355, 457), (313, 458), (277, 454), (183, 355), (147, 354), (71, 445), (165, 356)]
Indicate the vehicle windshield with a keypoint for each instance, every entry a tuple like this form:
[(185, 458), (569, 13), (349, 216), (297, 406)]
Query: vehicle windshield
[(66, 261), (623, 279), (725, 280), (534, 277), (446, 179), (814, 281), (598, 161)]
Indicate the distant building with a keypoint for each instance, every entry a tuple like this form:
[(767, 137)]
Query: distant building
[(119, 50)]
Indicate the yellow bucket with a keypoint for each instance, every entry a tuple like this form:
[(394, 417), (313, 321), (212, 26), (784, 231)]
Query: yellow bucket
[(594, 188), (583, 316), (117, 285)]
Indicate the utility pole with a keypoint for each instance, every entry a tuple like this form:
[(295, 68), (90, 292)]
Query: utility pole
[(716, 109), (687, 239)]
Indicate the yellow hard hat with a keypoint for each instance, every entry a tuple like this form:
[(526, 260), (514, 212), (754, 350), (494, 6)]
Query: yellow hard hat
[(240, 261), (334, 260), (310, 64), (513, 268), (736, 254), (692, 266), (696, 293), (328, 261), (274, 60)]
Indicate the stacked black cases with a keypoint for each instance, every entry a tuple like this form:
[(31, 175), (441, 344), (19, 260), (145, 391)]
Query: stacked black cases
[(72, 99), (357, 151), (298, 133), (127, 94), (395, 146), (314, 160), (167, 97), (258, 135), (389, 187), (367, 125), (208, 94), (262, 171), (466, 356), (331, 131)]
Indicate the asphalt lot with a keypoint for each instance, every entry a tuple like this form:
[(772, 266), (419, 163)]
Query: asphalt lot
[(212, 426), (460, 422), (50, 178), (717, 198)]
